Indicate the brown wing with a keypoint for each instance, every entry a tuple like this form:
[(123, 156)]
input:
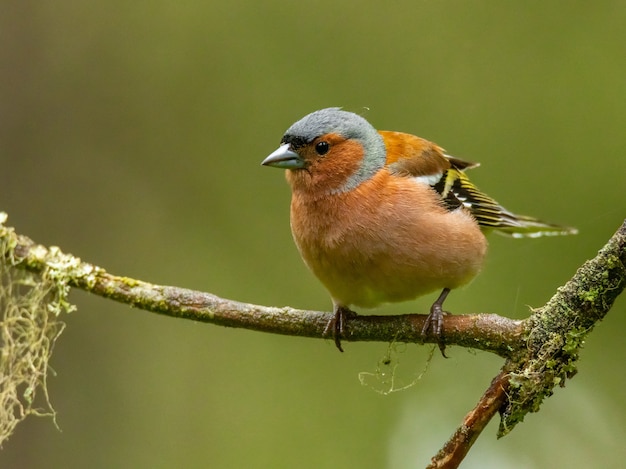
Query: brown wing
[(411, 156)]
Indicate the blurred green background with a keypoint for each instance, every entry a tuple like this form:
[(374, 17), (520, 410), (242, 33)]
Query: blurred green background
[(131, 135)]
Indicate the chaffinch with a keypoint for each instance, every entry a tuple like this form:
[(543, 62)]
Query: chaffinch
[(382, 216)]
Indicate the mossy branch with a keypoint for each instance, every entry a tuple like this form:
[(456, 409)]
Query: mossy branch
[(488, 332), (540, 352)]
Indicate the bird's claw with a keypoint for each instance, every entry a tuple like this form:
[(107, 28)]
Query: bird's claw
[(338, 324), (434, 322)]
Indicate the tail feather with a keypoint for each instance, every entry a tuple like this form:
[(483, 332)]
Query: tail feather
[(521, 226), (456, 189)]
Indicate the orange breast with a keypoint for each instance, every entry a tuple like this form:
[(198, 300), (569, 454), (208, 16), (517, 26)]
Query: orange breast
[(388, 240)]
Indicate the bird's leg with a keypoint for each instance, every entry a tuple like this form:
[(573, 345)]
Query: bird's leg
[(434, 320), (337, 325)]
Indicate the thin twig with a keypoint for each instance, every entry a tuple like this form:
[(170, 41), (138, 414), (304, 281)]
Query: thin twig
[(457, 447)]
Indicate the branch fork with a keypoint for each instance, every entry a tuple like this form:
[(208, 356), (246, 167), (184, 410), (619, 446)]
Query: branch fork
[(540, 352)]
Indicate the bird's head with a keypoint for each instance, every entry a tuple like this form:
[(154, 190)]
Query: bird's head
[(329, 151)]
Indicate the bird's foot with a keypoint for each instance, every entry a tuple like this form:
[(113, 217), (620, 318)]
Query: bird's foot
[(338, 325), (434, 321)]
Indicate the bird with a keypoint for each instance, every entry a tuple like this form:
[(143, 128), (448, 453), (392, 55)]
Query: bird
[(386, 216)]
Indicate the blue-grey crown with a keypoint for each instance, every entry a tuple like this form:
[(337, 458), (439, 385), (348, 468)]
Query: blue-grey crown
[(348, 125)]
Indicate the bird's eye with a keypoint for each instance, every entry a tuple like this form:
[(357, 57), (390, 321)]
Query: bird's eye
[(322, 148)]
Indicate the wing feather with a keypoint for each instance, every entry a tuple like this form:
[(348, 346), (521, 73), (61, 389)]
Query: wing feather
[(411, 156)]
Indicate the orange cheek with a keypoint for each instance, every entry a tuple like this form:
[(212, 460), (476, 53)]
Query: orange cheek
[(331, 171)]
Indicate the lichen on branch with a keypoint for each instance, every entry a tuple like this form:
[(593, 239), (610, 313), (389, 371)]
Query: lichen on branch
[(540, 352)]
